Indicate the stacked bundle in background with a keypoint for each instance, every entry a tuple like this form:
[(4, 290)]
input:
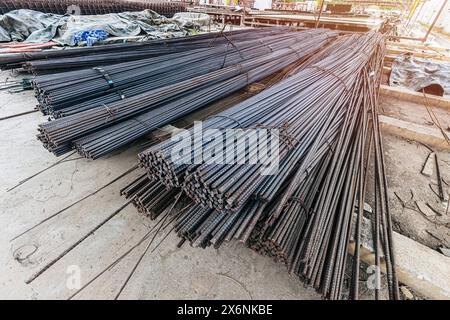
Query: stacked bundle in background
[(51, 61), (66, 93), (107, 108), (304, 213)]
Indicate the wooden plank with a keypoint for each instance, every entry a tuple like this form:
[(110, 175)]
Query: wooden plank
[(408, 95), (424, 270), (432, 137), (433, 56)]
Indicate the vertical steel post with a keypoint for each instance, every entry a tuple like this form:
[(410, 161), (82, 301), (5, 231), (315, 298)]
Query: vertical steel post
[(435, 20), (320, 13)]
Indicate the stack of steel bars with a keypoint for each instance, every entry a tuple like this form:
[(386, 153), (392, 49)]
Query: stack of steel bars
[(125, 113), (92, 7), (323, 120), (67, 93), (85, 57)]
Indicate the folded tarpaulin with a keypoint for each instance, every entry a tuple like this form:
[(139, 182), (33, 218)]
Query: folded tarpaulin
[(4, 35), (417, 73), (192, 19), (34, 26)]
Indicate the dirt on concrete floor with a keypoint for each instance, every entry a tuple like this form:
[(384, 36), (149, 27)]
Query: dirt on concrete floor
[(409, 188), (410, 191)]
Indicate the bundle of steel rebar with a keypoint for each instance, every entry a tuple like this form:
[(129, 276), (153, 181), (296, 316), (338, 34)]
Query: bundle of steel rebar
[(85, 57), (150, 198), (70, 92), (307, 211), (92, 7), (299, 121), (100, 129)]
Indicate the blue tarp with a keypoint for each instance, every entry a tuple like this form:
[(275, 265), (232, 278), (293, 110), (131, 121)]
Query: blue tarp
[(90, 37)]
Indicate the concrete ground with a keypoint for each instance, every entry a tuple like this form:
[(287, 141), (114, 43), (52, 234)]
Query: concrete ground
[(233, 272)]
